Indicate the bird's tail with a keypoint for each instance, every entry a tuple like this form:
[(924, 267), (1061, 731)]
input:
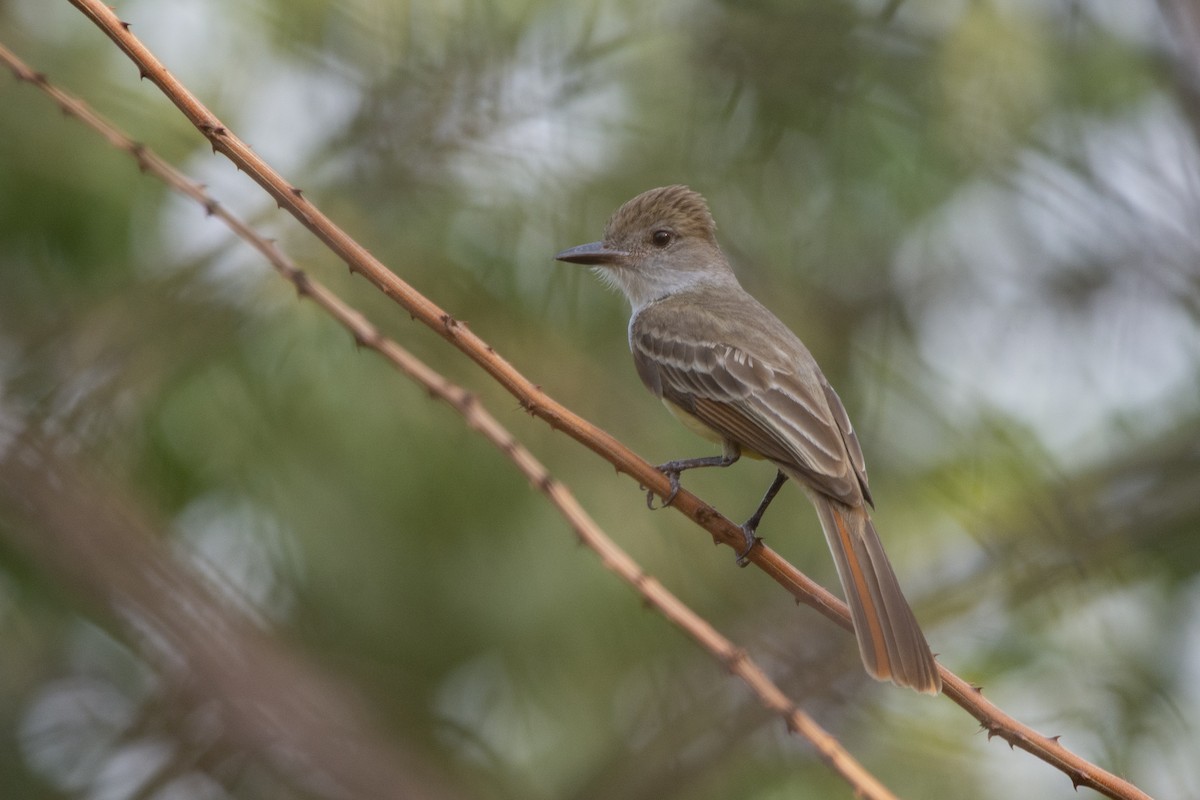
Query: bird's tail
[(892, 645)]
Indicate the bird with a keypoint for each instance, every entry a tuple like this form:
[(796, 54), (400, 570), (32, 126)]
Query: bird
[(731, 371)]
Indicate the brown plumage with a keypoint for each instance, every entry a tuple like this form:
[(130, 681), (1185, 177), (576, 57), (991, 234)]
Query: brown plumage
[(733, 372), (686, 208)]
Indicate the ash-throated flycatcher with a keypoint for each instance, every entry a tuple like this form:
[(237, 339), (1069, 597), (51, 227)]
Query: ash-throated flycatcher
[(732, 372)]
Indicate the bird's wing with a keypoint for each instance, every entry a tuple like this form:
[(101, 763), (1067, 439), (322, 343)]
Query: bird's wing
[(786, 413), (849, 437)]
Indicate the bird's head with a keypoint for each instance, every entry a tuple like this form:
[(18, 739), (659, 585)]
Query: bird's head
[(659, 243)]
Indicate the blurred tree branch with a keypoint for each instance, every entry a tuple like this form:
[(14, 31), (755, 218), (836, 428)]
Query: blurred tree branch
[(89, 536)]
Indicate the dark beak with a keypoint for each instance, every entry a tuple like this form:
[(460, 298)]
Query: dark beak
[(594, 253)]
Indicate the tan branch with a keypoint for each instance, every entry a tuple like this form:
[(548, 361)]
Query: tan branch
[(533, 399), (480, 420)]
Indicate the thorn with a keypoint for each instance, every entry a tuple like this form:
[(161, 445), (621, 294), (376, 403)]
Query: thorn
[(303, 285), (125, 26), (210, 207), (546, 483), (142, 74), (296, 190), (732, 658), (448, 321), (365, 337)]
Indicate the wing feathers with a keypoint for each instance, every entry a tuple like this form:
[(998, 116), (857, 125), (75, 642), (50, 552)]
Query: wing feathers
[(780, 408)]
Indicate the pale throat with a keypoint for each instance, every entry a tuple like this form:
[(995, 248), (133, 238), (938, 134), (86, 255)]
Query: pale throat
[(643, 287)]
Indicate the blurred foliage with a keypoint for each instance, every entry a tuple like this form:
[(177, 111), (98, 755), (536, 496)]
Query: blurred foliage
[(980, 216)]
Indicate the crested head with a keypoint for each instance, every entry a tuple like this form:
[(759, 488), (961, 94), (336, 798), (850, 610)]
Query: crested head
[(660, 243), (678, 208)]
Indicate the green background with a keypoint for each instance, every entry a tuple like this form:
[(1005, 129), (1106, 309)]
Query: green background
[(981, 218)]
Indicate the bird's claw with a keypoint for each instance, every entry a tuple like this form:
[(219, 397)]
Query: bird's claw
[(751, 539), (673, 477)]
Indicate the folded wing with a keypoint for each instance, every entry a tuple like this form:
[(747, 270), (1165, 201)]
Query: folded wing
[(785, 412)]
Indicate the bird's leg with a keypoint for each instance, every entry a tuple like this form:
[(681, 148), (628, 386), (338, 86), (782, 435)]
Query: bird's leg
[(751, 525), (672, 470)]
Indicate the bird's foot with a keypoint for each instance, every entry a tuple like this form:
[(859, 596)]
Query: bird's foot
[(673, 469), (751, 539), (672, 474)]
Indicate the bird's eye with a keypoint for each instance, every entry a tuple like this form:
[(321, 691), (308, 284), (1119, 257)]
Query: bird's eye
[(661, 238)]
